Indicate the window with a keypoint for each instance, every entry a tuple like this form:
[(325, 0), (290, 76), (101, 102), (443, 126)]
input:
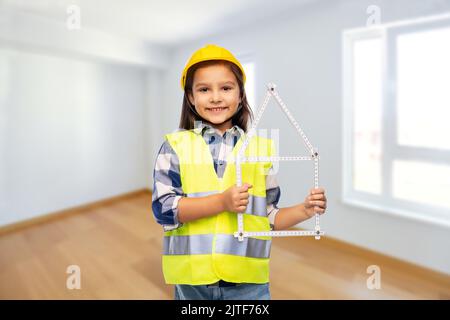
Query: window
[(367, 115), (396, 128)]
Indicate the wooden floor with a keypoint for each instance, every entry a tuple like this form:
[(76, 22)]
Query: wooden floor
[(118, 248)]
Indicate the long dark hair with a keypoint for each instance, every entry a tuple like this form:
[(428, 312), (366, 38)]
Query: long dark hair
[(188, 118)]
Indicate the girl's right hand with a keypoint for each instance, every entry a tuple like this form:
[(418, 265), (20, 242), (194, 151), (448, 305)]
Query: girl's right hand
[(235, 199)]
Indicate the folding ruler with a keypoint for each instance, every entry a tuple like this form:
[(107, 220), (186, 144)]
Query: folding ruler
[(241, 233)]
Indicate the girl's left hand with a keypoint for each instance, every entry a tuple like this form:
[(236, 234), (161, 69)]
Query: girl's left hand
[(315, 202)]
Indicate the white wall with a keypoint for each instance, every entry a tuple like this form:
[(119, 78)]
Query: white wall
[(73, 132), (154, 112), (29, 31), (77, 114), (301, 53)]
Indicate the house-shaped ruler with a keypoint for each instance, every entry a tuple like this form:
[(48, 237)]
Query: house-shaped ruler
[(241, 234)]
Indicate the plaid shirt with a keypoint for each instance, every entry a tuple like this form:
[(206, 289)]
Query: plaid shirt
[(167, 189)]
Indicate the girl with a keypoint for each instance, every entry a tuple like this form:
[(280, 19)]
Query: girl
[(195, 197)]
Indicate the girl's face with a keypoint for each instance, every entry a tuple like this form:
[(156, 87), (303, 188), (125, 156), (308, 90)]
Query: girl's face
[(215, 95)]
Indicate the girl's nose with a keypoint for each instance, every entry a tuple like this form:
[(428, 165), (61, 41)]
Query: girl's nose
[(215, 96)]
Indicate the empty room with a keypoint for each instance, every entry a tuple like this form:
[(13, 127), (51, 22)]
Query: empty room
[(238, 150)]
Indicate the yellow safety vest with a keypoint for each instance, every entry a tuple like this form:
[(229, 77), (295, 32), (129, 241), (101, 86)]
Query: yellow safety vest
[(205, 251)]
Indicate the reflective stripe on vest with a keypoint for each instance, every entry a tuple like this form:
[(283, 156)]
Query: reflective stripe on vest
[(225, 243), (250, 247), (256, 205), (197, 244)]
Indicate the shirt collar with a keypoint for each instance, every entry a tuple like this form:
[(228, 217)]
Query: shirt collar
[(203, 128)]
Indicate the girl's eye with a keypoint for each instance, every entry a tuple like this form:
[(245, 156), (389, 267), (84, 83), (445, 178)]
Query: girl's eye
[(206, 89)]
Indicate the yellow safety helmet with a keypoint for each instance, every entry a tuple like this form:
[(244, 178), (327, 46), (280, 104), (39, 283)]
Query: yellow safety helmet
[(210, 52)]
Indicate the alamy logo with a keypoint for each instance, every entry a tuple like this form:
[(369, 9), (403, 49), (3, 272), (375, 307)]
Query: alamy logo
[(374, 15), (74, 280), (374, 280), (74, 17)]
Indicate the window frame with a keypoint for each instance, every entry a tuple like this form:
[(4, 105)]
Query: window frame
[(386, 203)]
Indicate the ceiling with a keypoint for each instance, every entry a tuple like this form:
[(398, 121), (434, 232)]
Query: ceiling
[(165, 22)]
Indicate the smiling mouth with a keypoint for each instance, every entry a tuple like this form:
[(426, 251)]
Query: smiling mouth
[(216, 109)]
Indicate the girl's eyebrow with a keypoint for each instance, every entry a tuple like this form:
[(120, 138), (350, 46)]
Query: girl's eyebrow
[(206, 84)]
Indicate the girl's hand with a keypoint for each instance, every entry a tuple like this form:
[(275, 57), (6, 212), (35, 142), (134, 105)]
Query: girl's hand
[(235, 199), (315, 202)]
